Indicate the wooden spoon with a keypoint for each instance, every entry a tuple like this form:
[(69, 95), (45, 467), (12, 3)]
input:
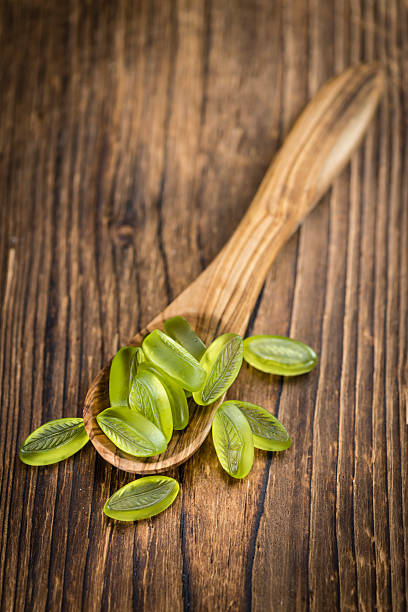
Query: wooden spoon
[(222, 298)]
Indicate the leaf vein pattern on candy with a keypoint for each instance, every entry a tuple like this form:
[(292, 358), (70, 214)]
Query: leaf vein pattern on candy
[(143, 499), (172, 344), (132, 369), (231, 444), (59, 433), (120, 432), (283, 351), (263, 426), (223, 369), (144, 402)]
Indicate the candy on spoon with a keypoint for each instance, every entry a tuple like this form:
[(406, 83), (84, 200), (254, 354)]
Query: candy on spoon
[(173, 360), (175, 394), (180, 330), (148, 396)]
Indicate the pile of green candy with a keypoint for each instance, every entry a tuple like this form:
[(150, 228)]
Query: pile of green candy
[(148, 390)]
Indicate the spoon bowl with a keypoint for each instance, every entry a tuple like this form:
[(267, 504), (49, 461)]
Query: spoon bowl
[(183, 442), (221, 299)]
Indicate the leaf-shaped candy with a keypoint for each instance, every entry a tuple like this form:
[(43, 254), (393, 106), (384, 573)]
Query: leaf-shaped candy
[(149, 397), (179, 329), (54, 441), (279, 355), (222, 362), (131, 432), (142, 498), (175, 394), (137, 359), (268, 433), (122, 370), (233, 441), (173, 360)]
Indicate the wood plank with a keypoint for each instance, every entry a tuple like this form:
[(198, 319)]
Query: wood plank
[(133, 136)]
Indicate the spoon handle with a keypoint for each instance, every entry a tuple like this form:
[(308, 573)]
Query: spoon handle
[(317, 148)]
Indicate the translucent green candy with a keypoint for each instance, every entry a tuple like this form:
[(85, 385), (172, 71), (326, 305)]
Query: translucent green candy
[(268, 433), (233, 441), (148, 396), (142, 498), (175, 394), (221, 362), (138, 359), (279, 355), (122, 370), (173, 360), (54, 441), (131, 432), (179, 329)]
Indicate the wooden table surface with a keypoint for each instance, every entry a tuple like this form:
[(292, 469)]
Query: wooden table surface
[(133, 136)]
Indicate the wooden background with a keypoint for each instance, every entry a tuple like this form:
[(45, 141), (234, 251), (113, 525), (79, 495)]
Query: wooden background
[(133, 136)]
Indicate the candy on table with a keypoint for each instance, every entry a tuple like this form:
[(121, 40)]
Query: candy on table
[(142, 498), (54, 441), (279, 355), (268, 433), (233, 441)]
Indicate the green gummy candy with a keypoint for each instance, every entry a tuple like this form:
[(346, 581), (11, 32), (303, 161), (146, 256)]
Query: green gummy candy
[(179, 329), (142, 498), (122, 370), (54, 441), (268, 433), (221, 362), (279, 355), (148, 396), (175, 394), (233, 440), (173, 360)]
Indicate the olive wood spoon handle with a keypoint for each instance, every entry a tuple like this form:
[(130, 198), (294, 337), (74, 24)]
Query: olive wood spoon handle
[(222, 298)]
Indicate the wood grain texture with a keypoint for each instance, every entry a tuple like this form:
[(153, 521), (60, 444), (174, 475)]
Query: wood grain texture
[(133, 136), (222, 298)]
